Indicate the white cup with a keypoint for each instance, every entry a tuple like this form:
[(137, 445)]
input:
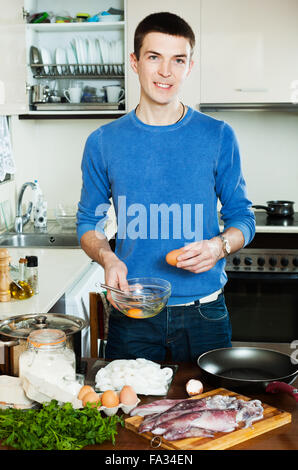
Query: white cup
[(114, 93), (73, 95)]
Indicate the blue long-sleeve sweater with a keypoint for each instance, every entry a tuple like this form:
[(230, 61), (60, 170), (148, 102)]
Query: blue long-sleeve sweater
[(165, 182)]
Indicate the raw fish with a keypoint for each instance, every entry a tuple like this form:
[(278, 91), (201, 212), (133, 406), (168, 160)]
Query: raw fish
[(157, 406), (213, 420), (185, 406), (191, 432), (198, 417)]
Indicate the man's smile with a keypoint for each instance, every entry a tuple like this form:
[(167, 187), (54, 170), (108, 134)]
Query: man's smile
[(162, 85)]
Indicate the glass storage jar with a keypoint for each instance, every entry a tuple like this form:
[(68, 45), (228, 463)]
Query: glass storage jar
[(47, 358)]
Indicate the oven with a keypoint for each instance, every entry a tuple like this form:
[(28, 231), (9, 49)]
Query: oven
[(262, 289)]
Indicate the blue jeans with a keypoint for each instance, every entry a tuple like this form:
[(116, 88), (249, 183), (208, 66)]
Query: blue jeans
[(187, 332)]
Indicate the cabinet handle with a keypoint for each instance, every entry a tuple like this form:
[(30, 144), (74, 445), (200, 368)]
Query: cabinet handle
[(252, 90)]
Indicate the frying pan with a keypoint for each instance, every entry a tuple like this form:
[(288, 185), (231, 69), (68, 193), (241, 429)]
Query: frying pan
[(249, 369), (278, 208)]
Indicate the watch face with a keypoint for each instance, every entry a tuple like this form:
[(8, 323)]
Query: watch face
[(228, 247)]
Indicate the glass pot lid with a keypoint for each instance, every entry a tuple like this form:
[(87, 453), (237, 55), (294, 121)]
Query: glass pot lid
[(22, 325)]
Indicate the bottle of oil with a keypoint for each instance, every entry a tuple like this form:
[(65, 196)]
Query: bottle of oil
[(22, 290)]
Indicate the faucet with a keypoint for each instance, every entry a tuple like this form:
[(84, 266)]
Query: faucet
[(21, 219)]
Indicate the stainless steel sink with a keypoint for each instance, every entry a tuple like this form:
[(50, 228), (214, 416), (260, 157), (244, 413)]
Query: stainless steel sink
[(34, 240)]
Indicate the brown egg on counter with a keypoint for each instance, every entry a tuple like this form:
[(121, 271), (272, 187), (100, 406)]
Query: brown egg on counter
[(109, 399), (171, 257), (91, 397), (128, 396), (85, 389)]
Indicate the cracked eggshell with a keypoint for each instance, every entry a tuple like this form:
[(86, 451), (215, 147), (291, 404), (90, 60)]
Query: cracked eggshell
[(194, 387)]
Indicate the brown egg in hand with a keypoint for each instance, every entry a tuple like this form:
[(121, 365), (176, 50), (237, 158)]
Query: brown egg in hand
[(172, 256)]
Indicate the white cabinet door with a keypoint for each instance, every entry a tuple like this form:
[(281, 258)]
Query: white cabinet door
[(13, 59), (249, 50), (190, 11)]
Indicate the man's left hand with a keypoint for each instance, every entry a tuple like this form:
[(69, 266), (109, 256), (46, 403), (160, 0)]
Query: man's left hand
[(199, 257)]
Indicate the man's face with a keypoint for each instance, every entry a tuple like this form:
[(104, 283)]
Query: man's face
[(163, 65)]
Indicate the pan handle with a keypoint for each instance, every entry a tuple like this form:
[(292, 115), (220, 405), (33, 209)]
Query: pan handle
[(274, 387), (267, 208)]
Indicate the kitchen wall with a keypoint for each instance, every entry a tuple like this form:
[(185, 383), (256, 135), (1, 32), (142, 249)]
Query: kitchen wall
[(51, 151), (269, 148)]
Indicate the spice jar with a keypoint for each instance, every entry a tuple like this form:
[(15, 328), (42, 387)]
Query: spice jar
[(47, 362), (32, 273)]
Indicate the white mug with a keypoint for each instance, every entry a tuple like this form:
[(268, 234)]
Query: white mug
[(114, 93), (73, 95)]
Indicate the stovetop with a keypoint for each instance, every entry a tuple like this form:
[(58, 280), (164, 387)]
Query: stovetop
[(265, 220), (273, 250)]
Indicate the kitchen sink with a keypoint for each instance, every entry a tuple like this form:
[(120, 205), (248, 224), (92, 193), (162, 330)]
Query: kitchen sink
[(44, 240)]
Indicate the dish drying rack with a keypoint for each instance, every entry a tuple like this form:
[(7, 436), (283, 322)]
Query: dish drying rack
[(87, 71)]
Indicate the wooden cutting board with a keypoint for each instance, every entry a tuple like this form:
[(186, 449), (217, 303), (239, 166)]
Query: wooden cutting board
[(273, 418)]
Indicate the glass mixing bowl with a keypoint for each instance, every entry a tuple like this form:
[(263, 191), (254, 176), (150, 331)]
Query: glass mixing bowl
[(150, 296)]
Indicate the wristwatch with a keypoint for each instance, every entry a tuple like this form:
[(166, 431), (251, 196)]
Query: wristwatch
[(225, 245)]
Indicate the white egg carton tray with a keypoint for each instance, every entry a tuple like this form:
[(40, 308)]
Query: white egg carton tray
[(113, 410)]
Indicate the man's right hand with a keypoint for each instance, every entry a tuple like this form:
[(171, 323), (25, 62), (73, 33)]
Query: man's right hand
[(115, 274), (98, 248)]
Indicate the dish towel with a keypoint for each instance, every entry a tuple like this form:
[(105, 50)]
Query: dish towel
[(7, 164)]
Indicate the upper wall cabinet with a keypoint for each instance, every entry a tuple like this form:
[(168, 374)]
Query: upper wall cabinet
[(190, 11), (61, 62), (249, 50), (13, 59)]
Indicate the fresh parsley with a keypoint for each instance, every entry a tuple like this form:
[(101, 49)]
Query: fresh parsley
[(55, 427)]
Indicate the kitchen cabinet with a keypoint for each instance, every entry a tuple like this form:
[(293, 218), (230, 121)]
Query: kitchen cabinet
[(57, 43), (190, 11), (248, 51), (13, 58)]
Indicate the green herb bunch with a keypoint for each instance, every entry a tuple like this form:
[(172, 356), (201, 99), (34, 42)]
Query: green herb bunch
[(55, 427)]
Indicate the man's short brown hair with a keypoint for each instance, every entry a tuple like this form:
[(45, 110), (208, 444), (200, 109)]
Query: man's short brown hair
[(163, 22)]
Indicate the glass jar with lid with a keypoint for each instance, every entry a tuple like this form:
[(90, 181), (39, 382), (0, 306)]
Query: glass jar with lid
[(47, 358)]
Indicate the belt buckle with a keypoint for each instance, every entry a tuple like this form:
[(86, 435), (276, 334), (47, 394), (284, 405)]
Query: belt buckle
[(215, 294)]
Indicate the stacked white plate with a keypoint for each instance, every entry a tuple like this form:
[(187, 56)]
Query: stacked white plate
[(60, 58), (46, 58), (86, 55), (71, 58), (111, 53), (94, 55)]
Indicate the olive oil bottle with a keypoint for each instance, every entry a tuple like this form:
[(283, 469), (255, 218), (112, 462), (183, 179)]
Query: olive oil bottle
[(22, 290)]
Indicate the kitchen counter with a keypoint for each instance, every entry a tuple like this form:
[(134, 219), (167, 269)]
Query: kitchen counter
[(276, 228), (283, 438), (266, 224), (58, 269)]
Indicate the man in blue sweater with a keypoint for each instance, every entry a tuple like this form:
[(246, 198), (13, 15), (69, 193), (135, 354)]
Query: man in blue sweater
[(165, 166)]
